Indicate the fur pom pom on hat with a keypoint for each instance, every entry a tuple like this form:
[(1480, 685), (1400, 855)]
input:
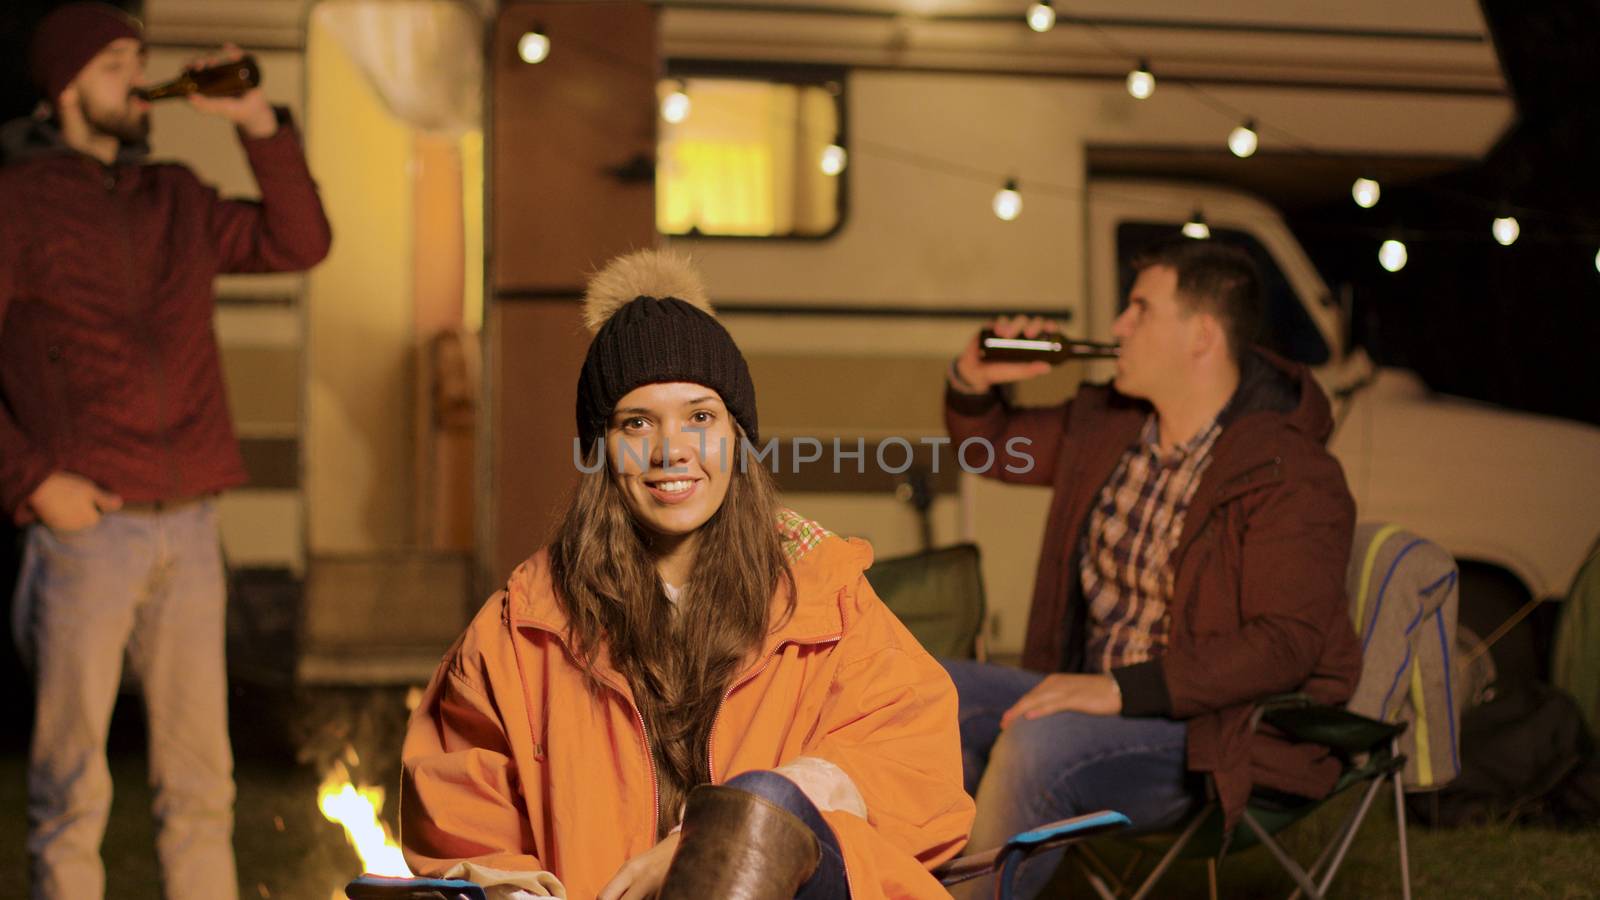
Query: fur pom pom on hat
[(653, 323), (646, 273)]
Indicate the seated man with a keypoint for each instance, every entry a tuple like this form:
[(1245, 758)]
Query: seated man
[(1193, 563)]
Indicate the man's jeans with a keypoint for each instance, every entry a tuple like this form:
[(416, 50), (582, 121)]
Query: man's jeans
[(148, 585), (1058, 766)]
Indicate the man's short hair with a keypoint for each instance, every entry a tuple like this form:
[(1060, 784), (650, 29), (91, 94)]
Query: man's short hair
[(1216, 278)]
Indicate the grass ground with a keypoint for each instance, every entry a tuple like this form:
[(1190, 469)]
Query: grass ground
[(287, 851)]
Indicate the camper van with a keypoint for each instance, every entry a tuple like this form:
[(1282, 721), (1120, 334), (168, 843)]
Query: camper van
[(478, 159)]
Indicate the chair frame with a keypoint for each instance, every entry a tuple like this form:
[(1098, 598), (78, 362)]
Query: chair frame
[(1386, 767), (978, 634)]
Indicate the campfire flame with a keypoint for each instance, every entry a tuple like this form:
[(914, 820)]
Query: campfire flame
[(357, 810)]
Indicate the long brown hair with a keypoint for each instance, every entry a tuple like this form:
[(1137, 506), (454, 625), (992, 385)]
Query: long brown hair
[(677, 662)]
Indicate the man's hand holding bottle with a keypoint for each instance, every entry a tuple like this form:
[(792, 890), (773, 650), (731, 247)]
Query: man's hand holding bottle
[(970, 373)]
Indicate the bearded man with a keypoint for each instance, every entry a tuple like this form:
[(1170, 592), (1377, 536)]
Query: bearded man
[(115, 437)]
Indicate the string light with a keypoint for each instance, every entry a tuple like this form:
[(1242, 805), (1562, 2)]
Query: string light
[(534, 46), (1141, 81), (1007, 202), (675, 106), (833, 159), (1505, 230), (1392, 255), (1243, 140), (1041, 16), (1365, 192)]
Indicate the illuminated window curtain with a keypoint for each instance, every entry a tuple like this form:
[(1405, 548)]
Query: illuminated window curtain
[(746, 160), (423, 57), (718, 187), (729, 167)]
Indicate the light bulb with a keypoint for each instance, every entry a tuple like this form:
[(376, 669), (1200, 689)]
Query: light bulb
[(1196, 227), (1141, 82), (1007, 202), (533, 46), (1597, 260), (1365, 192), (675, 108), (1506, 230), (1392, 255), (833, 159), (1242, 140), (1041, 16)]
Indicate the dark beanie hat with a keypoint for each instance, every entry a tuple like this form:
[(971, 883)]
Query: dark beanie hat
[(69, 37), (653, 324)]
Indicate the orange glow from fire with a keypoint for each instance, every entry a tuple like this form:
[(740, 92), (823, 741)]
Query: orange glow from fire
[(357, 810)]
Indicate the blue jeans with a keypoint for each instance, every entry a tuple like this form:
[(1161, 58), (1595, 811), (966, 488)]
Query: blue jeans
[(146, 586), (828, 882), (1058, 766)]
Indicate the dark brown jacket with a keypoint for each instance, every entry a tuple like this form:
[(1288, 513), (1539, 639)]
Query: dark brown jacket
[(108, 361), (1259, 605)]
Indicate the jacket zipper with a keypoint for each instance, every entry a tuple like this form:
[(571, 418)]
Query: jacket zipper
[(711, 740), (644, 732), (746, 678), (650, 760)]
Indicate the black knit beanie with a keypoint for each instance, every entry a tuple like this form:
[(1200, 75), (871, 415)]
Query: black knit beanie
[(654, 324)]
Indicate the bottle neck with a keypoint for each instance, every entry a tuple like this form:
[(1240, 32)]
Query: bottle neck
[(181, 86)]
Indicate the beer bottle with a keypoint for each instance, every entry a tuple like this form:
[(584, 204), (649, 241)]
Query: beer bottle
[(225, 79), (1046, 347)]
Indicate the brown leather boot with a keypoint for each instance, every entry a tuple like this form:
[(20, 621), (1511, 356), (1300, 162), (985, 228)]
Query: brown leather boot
[(738, 846)]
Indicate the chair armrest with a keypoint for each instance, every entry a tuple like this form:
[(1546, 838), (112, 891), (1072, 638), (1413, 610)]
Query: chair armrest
[(1339, 729), (1075, 828), (380, 887), (1027, 843), (966, 868)]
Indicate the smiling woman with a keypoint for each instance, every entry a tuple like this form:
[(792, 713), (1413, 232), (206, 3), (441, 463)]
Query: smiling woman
[(705, 675), (670, 446)]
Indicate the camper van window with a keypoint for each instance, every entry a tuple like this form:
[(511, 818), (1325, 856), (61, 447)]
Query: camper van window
[(751, 157), (1290, 330)]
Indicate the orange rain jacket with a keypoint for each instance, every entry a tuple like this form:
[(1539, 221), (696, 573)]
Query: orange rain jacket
[(510, 762)]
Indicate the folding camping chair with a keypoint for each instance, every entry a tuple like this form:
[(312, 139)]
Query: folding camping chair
[(938, 596), (1202, 837), (1403, 601), (1002, 861)]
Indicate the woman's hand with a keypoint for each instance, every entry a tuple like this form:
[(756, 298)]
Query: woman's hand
[(642, 876)]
